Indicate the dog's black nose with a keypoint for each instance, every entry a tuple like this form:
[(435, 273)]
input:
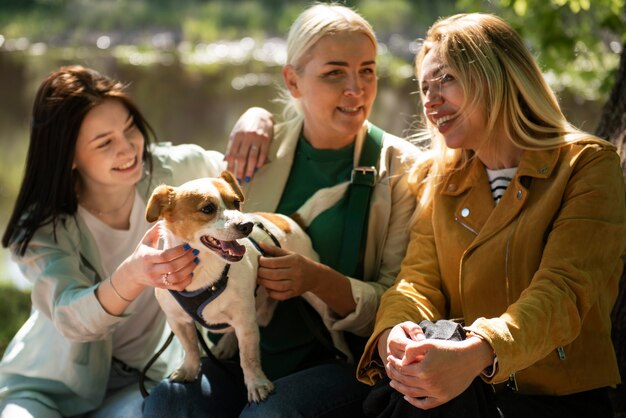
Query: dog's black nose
[(245, 227)]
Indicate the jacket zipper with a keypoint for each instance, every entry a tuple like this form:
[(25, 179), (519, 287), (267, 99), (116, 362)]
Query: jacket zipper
[(511, 384), (506, 273), (460, 276), (507, 279), (466, 226)]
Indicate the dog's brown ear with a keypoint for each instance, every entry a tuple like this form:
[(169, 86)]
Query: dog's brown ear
[(230, 179), (159, 201)]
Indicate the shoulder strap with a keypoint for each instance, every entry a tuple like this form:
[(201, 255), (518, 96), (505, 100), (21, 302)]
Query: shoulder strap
[(362, 182)]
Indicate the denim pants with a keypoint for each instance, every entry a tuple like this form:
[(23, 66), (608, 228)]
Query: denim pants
[(327, 390)]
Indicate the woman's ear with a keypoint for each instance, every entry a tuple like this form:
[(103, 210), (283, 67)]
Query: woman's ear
[(290, 78)]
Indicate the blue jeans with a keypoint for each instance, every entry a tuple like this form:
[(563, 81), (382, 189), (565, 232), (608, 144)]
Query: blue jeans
[(326, 390)]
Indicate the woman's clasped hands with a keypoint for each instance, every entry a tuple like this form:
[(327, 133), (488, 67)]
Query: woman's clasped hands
[(430, 372)]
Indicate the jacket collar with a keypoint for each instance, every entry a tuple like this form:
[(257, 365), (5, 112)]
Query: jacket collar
[(475, 204), (263, 193), (89, 252), (537, 164)]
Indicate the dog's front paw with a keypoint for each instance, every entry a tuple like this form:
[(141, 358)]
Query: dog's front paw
[(185, 374), (259, 390), (226, 347)]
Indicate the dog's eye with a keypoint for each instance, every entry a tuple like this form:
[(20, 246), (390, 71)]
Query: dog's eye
[(237, 204), (209, 209)]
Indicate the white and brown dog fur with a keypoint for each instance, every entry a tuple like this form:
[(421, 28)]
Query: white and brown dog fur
[(206, 214)]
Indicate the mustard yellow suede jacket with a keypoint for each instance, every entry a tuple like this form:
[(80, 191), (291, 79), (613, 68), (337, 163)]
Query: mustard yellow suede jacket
[(536, 276)]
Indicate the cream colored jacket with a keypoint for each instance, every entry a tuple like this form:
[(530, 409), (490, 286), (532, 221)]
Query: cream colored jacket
[(391, 208)]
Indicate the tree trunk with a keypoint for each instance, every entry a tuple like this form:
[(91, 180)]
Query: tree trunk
[(612, 127)]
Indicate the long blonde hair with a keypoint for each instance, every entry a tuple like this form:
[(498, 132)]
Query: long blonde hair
[(310, 26), (498, 72)]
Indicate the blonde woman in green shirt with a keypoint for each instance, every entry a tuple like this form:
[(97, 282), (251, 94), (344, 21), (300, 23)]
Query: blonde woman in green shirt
[(330, 79)]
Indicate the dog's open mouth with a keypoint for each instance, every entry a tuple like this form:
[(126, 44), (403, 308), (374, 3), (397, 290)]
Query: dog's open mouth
[(228, 250)]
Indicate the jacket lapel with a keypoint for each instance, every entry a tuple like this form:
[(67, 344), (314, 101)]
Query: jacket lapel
[(358, 143), (89, 252), (533, 165), (475, 204), (476, 210), (263, 192)]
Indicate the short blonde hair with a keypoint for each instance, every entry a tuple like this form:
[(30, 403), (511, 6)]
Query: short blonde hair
[(310, 26)]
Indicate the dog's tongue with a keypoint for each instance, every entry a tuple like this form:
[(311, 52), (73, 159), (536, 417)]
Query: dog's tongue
[(233, 247)]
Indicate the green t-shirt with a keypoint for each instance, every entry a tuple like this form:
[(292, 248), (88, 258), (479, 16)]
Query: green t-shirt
[(287, 343), (314, 169)]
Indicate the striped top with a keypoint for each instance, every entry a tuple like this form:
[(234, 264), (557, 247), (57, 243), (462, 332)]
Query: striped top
[(499, 180)]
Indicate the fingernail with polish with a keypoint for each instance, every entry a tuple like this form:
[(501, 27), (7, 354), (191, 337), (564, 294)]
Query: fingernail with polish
[(196, 260), (186, 247), (195, 251), (248, 178)]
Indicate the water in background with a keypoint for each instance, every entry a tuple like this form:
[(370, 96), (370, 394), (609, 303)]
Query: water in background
[(190, 95)]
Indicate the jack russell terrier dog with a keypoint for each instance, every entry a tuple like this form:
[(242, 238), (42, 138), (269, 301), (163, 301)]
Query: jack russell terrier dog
[(221, 296)]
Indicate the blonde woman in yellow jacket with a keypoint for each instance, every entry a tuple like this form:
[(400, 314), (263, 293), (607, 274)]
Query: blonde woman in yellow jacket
[(519, 235)]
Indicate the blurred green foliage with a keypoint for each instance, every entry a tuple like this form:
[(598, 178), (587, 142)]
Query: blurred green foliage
[(577, 41), (14, 310)]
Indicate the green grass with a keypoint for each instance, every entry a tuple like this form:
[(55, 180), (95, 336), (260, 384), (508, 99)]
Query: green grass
[(14, 310)]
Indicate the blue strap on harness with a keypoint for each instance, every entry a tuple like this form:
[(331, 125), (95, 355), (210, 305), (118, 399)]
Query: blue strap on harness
[(194, 302)]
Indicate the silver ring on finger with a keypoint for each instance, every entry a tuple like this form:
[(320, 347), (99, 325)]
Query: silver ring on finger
[(164, 279), (254, 148)]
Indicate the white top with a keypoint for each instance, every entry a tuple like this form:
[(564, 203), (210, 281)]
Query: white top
[(115, 245), (499, 180)]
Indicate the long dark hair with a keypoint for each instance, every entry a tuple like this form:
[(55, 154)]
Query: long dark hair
[(48, 188)]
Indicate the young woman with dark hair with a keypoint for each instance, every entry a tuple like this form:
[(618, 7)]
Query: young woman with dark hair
[(78, 233)]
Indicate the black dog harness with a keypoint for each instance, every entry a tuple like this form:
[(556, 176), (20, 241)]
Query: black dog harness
[(194, 302)]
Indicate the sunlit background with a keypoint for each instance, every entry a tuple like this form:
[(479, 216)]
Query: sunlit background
[(194, 66)]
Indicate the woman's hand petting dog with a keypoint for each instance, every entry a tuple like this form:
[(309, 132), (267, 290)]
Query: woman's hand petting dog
[(149, 266), (285, 274)]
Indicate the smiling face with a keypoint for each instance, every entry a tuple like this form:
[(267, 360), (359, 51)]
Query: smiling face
[(109, 149), (443, 99), (336, 86)]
